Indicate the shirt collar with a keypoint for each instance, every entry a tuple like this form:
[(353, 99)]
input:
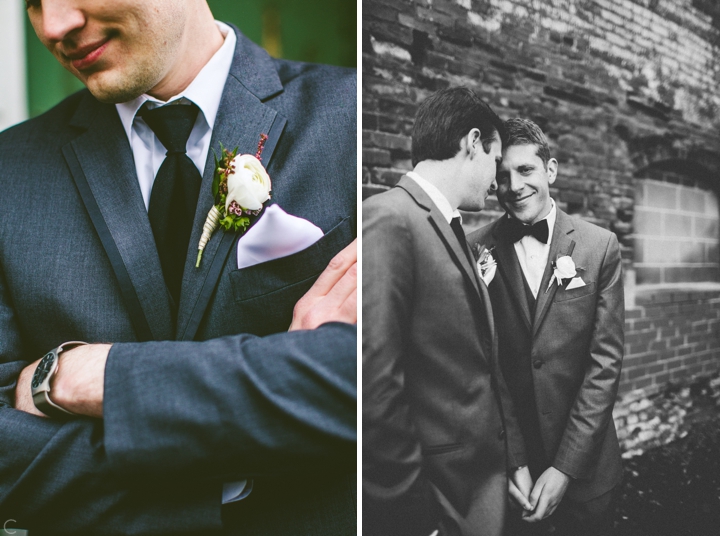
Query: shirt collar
[(436, 197), (551, 217), (205, 90)]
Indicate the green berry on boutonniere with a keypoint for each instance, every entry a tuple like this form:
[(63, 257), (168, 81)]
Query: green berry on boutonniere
[(241, 186)]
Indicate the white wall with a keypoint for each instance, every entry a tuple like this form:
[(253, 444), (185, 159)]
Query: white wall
[(13, 80)]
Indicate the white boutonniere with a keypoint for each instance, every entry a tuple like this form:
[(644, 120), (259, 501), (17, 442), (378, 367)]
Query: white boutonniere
[(563, 268), (241, 186), (486, 263)]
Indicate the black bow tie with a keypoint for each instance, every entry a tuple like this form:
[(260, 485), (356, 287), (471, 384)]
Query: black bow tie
[(515, 230)]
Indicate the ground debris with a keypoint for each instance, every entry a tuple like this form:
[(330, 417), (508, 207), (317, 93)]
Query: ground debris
[(672, 490)]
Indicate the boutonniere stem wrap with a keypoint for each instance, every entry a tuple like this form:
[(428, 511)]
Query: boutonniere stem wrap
[(241, 186), (563, 268)]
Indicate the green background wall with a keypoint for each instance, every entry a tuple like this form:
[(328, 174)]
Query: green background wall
[(321, 31)]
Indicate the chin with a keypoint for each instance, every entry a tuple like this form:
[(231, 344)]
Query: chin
[(108, 87), (520, 215)]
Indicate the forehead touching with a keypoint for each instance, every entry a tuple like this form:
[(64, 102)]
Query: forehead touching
[(521, 155)]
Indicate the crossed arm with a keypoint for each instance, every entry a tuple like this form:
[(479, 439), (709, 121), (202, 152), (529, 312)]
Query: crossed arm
[(250, 405), (78, 385)]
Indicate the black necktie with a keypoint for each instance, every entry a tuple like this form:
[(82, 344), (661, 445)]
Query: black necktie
[(515, 230), (175, 190), (460, 234)]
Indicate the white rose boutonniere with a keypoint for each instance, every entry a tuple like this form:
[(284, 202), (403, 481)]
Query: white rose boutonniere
[(241, 186), (486, 263), (248, 185), (563, 268)]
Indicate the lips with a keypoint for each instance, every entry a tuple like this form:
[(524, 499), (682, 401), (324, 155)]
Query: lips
[(84, 57), (519, 200)]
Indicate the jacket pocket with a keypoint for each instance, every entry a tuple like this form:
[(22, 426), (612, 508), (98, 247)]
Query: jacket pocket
[(565, 295), (267, 292)]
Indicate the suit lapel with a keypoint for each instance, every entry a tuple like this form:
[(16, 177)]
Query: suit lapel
[(511, 272), (443, 229), (242, 118), (101, 164), (560, 245)]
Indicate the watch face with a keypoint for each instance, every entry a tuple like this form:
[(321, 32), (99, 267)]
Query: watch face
[(43, 369)]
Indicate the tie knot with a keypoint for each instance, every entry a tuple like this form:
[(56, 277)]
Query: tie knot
[(172, 124), (516, 230)]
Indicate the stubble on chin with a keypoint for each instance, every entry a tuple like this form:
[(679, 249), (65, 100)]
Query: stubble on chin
[(113, 88)]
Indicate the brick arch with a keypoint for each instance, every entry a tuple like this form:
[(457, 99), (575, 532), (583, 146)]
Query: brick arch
[(673, 153), (675, 230)]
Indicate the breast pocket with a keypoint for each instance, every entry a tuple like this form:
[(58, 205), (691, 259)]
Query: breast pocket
[(267, 292), (572, 294)]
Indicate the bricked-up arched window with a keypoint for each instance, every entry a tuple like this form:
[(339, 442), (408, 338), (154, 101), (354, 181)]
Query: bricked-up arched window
[(677, 229)]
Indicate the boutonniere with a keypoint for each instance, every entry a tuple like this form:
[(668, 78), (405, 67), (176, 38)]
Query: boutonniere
[(563, 269), (241, 186), (486, 263)]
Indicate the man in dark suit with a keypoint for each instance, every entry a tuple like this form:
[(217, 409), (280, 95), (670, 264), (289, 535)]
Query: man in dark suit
[(436, 414), (558, 303), (195, 408)]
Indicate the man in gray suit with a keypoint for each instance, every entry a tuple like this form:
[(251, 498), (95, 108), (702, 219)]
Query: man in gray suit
[(212, 398), (558, 300), (438, 425)]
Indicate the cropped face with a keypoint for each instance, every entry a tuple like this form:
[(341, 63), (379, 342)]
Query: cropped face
[(480, 170), (524, 183), (118, 48)]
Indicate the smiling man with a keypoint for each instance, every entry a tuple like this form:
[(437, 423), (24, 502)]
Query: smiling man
[(558, 303), (217, 398), (438, 426)]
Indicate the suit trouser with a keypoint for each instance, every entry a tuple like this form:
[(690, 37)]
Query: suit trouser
[(571, 518)]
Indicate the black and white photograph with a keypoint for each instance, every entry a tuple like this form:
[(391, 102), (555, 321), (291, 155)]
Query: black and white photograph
[(540, 268)]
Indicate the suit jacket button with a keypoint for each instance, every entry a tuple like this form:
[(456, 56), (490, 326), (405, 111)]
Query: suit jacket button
[(537, 363), (501, 434)]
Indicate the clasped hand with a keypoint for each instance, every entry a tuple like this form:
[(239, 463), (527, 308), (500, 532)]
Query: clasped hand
[(78, 384), (541, 500)]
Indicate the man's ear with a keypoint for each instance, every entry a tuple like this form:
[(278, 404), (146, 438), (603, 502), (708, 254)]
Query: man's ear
[(552, 169), (474, 141)]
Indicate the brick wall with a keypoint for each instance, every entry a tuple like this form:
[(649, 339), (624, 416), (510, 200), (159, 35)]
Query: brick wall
[(671, 335), (626, 90), (616, 84)]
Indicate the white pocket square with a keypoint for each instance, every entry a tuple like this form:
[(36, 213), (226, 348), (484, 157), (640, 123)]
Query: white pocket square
[(576, 282), (276, 234)]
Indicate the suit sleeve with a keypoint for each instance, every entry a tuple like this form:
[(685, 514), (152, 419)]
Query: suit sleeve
[(591, 413), (235, 406), (55, 477), (397, 497)]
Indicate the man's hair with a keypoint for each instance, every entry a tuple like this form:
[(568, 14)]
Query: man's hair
[(445, 117), (525, 132)]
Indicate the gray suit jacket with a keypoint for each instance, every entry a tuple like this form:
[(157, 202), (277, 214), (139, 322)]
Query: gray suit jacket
[(572, 347), (436, 412), (234, 395)]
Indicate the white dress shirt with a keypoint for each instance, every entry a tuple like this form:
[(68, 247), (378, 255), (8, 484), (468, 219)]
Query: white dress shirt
[(533, 254), (436, 197), (205, 91)]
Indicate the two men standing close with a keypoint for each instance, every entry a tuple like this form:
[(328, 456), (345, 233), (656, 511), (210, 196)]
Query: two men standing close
[(443, 372)]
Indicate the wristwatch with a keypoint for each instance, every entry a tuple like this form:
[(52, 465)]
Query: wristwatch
[(44, 373)]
